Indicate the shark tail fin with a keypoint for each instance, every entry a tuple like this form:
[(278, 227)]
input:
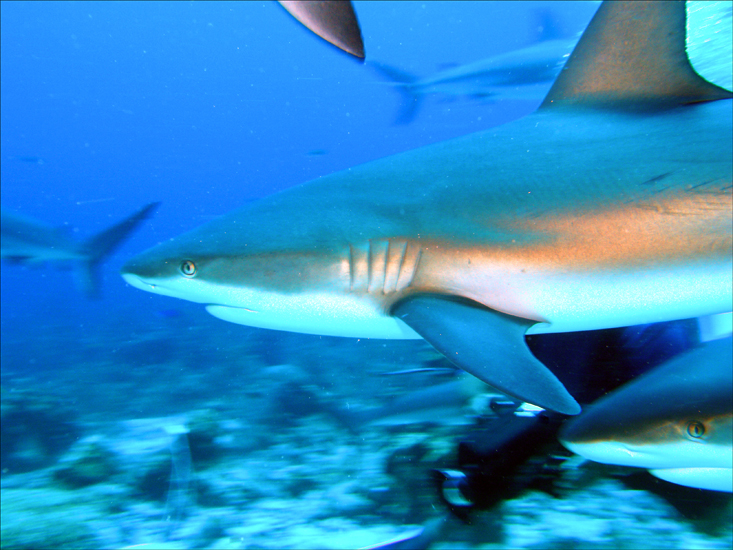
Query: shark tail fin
[(632, 55), (104, 243), (404, 83)]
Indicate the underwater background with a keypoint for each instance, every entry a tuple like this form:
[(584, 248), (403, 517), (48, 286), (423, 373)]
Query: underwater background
[(136, 419)]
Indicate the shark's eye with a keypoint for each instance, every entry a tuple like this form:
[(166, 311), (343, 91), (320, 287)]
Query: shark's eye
[(188, 268), (696, 429)]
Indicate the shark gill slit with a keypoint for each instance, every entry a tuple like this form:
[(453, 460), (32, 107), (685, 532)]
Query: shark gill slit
[(351, 267), (385, 267), (409, 266), (414, 268), (359, 268), (401, 266), (395, 261), (382, 265), (369, 265), (378, 250)]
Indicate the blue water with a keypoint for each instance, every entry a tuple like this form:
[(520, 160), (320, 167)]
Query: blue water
[(206, 105), (107, 106)]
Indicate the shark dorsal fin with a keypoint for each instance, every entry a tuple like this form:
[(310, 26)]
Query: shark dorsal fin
[(632, 55)]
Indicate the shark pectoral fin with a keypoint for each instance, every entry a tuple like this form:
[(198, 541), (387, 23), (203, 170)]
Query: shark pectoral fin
[(488, 344)]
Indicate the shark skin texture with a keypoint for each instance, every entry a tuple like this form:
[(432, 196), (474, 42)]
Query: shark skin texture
[(609, 206)]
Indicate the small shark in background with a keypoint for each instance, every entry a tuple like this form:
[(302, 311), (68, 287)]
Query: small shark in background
[(453, 403), (676, 421), (29, 241), (610, 206), (520, 74), (526, 73)]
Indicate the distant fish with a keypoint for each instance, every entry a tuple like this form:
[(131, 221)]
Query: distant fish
[(29, 159), (26, 240), (169, 313), (676, 421), (519, 74), (94, 201), (454, 403)]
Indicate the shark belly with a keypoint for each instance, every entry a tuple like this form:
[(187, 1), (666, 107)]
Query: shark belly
[(559, 302), (607, 300), (712, 479), (325, 314)]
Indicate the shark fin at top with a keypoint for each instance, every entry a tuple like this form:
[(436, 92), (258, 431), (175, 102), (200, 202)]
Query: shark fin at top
[(335, 22), (488, 344), (633, 54)]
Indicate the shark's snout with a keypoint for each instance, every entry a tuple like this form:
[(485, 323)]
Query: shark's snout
[(142, 267), (149, 273), (135, 281)]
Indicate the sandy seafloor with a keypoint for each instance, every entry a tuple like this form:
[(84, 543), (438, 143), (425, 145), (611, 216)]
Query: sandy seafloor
[(102, 406)]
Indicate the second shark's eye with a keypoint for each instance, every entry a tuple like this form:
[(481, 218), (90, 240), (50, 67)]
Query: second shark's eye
[(188, 268), (696, 429)]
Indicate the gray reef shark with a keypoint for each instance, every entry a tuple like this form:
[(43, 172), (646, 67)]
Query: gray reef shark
[(609, 206), (29, 241), (525, 73), (676, 420)]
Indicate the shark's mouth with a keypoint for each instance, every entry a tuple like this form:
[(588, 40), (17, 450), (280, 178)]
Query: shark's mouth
[(155, 287), (225, 306), (137, 282)]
